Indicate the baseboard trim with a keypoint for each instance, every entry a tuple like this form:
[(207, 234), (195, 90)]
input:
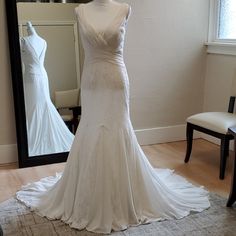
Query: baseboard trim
[(161, 134), (8, 153)]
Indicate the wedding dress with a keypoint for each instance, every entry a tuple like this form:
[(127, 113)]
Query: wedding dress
[(46, 131), (108, 183)]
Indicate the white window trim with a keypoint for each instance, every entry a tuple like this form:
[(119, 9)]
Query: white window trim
[(215, 45)]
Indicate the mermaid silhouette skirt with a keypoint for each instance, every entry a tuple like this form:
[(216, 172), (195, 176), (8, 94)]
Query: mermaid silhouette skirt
[(108, 183)]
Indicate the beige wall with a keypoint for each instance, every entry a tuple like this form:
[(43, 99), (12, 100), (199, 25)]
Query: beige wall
[(7, 120), (8, 151), (165, 58), (220, 82)]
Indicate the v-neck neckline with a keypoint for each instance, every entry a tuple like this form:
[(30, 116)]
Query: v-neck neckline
[(35, 53), (106, 27)]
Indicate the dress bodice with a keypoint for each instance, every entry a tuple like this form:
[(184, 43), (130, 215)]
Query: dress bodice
[(105, 44), (33, 63)]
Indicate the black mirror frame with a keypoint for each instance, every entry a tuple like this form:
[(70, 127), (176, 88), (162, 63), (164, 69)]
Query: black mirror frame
[(18, 95)]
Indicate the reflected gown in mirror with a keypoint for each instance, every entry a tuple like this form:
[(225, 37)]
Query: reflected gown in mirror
[(46, 131), (108, 183)]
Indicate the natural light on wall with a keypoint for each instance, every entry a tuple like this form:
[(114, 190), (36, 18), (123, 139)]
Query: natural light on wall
[(227, 19)]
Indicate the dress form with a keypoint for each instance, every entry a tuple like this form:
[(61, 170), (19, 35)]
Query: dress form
[(35, 40), (101, 12)]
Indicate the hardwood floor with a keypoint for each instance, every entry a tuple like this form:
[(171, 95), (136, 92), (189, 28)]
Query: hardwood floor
[(202, 169)]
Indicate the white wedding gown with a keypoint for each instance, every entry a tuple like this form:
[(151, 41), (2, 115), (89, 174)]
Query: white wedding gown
[(108, 183), (46, 131)]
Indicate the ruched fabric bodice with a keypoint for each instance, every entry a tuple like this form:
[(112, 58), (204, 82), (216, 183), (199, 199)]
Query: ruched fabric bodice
[(107, 44), (33, 63), (108, 183)]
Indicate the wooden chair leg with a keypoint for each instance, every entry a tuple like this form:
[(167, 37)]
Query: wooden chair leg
[(1, 231), (227, 150), (69, 125), (224, 150), (189, 136)]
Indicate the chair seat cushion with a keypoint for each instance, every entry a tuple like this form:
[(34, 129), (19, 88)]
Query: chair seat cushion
[(215, 121), (67, 117)]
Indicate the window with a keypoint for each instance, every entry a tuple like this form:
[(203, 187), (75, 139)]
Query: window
[(222, 27), (227, 20)]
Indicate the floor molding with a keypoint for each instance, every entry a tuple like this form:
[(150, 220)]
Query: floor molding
[(8, 153), (161, 134)]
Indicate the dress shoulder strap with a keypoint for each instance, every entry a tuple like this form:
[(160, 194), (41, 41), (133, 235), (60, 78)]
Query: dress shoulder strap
[(78, 11), (128, 11)]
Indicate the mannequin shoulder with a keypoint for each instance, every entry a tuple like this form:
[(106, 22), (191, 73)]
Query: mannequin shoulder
[(128, 10), (22, 42), (125, 6), (78, 9), (22, 39)]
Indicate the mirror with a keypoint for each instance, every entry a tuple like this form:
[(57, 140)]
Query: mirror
[(51, 74), (46, 60)]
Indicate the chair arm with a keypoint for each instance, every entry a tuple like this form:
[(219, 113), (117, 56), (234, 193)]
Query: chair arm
[(231, 104)]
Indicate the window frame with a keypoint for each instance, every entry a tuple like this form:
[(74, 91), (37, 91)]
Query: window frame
[(214, 44)]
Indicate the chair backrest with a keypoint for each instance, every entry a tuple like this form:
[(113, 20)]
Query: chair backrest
[(67, 98), (231, 104)]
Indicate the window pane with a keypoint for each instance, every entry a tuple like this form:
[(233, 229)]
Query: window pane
[(227, 19)]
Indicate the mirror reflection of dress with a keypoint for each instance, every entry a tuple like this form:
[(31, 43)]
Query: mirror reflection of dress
[(108, 183), (46, 131)]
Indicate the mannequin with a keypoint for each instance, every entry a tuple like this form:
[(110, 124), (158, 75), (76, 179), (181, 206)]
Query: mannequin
[(35, 40), (46, 131), (103, 11)]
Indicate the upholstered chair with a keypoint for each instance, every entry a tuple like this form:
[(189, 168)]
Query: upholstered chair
[(68, 100), (215, 124)]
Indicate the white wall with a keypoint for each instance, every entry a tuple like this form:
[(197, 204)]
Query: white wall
[(220, 82), (165, 58)]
